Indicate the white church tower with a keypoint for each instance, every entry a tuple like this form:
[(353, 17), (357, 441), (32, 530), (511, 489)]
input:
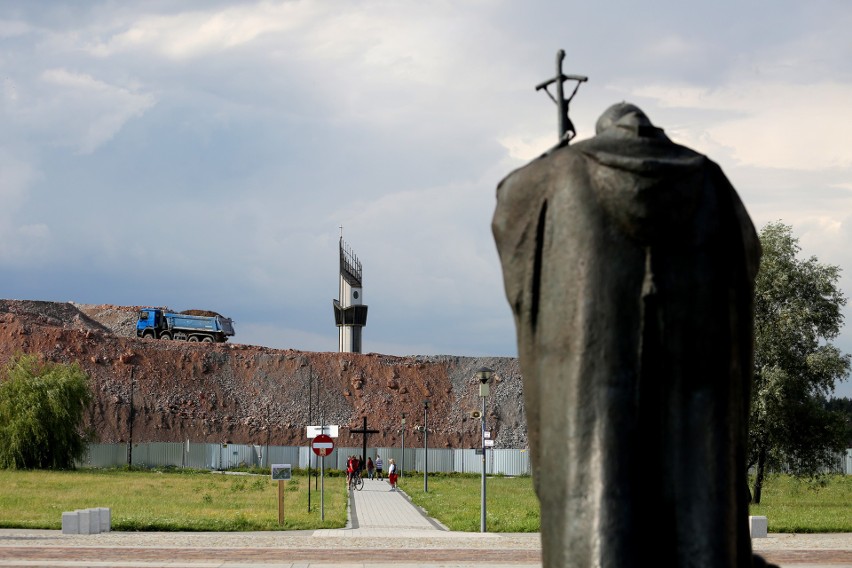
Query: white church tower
[(350, 313)]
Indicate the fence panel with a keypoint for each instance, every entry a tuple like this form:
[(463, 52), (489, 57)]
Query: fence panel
[(104, 455), (196, 457), (223, 457), (229, 456), (508, 462), (160, 454), (440, 459), (283, 454), (467, 461)]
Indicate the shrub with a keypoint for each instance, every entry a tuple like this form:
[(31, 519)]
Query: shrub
[(41, 413)]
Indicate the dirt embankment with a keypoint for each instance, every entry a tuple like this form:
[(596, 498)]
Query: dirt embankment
[(246, 394)]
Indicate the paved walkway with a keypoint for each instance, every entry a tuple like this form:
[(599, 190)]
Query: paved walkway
[(384, 529), (378, 511)]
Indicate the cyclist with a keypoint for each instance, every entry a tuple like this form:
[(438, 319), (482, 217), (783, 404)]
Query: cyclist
[(350, 469)]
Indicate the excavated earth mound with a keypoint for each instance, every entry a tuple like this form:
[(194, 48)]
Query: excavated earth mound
[(244, 394)]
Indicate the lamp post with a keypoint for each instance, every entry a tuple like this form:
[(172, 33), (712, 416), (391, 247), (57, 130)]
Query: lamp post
[(426, 446), (484, 375), (130, 426), (310, 423), (402, 468)]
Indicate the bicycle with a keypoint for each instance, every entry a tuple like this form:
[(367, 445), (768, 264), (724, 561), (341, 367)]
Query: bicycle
[(356, 482)]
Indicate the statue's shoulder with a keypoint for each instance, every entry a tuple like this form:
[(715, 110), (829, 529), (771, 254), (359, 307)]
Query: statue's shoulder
[(559, 160)]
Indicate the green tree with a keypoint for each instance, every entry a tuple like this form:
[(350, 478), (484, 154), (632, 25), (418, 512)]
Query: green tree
[(844, 407), (797, 314), (41, 414)]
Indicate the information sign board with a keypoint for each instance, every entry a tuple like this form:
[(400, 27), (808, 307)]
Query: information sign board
[(281, 471), (328, 429)]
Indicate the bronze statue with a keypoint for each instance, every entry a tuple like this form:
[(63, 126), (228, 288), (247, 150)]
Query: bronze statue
[(629, 264)]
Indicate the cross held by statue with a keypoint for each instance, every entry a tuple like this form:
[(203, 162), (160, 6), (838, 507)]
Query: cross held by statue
[(364, 433), (566, 127)]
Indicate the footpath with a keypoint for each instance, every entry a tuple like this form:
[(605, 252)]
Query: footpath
[(384, 529)]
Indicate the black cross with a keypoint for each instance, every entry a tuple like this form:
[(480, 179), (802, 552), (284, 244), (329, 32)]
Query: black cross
[(364, 432), (566, 127)]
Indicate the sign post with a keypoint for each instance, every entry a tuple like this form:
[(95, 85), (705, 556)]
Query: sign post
[(313, 432), (280, 503), (322, 445), (281, 472)]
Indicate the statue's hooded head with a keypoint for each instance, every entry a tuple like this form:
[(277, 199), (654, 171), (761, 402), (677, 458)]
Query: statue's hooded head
[(625, 119)]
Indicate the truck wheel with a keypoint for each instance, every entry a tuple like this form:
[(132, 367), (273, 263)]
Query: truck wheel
[(207, 339), (148, 335), (166, 336), (193, 339)]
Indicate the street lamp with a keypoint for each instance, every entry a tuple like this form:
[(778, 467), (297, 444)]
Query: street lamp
[(484, 375), (402, 468), (310, 423), (130, 417), (426, 446)]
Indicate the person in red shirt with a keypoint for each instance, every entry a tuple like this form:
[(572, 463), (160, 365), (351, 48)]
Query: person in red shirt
[(350, 469), (392, 474)]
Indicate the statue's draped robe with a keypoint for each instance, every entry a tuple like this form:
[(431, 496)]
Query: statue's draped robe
[(629, 263)]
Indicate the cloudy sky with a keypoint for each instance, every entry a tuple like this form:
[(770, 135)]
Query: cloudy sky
[(205, 154)]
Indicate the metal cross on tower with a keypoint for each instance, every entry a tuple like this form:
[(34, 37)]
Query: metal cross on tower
[(566, 127), (350, 313)]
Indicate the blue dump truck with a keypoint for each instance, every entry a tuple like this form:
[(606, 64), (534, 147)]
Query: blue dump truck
[(157, 323)]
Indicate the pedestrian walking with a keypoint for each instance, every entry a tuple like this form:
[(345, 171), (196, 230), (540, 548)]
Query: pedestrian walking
[(371, 468), (392, 474), (379, 466)]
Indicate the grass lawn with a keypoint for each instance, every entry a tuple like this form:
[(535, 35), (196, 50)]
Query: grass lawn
[(168, 501), (455, 500), (189, 500), (792, 506), (511, 506)]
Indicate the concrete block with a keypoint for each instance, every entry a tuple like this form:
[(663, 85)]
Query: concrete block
[(758, 527), (105, 517), (87, 521), (94, 521), (70, 523), (85, 516), (90, 522)]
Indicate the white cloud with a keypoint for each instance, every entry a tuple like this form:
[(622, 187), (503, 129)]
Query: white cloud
[(19, 243), (672, 45), (10, 92), (195, 34), (25, 245), (769, 125), (13, 28), (81, 111), (525, 148), (17, 177)]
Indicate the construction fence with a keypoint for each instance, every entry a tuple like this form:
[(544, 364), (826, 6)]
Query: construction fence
[(223, 457)]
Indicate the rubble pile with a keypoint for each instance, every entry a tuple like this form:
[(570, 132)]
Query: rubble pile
[(244, 394)]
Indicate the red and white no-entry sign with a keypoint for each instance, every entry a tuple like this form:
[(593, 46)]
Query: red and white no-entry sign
[(322, 445)]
